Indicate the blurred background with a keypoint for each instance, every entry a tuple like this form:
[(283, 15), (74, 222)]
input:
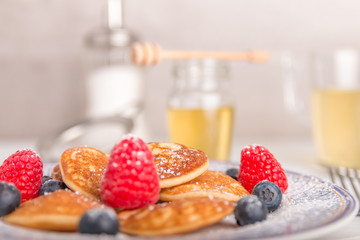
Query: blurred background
[(42, 56)]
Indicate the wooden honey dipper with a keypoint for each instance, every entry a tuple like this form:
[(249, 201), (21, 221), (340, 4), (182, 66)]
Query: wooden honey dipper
[(150, 54)]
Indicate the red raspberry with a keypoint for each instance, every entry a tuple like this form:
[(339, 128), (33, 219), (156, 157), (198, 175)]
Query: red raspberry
[(258, 164), (130, 179), (25, 170)]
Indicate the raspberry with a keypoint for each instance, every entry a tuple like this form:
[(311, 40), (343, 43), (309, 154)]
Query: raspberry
[(25, 170), (258, 164), (130, 179)]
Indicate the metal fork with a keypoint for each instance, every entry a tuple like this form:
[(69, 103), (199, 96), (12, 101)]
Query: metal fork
[(347, 178)]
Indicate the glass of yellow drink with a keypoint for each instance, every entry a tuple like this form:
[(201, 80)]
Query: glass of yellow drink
[(336, 107), (329, 81)]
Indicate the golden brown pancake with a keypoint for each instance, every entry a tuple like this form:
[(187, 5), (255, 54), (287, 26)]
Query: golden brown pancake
[(210, 183), (82, 169), (60, 211), (176, 217), (56, 173), (176, 163)]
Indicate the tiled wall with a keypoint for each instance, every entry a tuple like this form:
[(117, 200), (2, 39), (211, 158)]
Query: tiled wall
[(41, 51)]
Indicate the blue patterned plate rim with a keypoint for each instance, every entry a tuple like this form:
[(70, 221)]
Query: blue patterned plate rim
[(348, 207)]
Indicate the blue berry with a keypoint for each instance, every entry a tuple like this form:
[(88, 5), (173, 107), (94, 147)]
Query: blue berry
[(250, 209), (45, 179), (99, 220), (233, 172), (269, 193), (10, 198), (51, 186)]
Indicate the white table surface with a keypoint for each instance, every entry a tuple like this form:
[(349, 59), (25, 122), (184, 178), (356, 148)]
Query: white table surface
[(294, 154)]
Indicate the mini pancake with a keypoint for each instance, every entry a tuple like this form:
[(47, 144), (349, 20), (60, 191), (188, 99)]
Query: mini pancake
[(56, 173), (176, 163), (60, 211), (210, 183), (176, 217), (82, 169)]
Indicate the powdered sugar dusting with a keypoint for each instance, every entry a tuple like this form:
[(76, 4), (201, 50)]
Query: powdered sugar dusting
[(309, 204), (173, 160)]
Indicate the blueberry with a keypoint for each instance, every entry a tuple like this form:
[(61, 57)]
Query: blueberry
[(45, 179), (250, 209), (51, 186), (233, 172), (269, 193), (99, 220), (10, 198)]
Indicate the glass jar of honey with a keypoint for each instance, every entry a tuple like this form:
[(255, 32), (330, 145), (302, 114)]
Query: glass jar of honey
[(200, 109)]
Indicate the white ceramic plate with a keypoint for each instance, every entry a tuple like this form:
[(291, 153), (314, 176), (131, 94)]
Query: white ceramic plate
[(310, 208)]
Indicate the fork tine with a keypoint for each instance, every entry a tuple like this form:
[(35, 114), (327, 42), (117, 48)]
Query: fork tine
[(341, 172), (347, 178), (352, 176), (332, 174)]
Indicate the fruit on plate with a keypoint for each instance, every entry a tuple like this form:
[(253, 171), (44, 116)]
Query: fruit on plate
[(24, 169), (10, 198), (233, 172), (99, 221), (258, 164), (269, 193), (130, 179), (52, 186), (250, 209)]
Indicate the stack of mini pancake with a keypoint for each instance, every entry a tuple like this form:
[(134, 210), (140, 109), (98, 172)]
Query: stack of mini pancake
[(81, 169), (184, 173), (191, 196)]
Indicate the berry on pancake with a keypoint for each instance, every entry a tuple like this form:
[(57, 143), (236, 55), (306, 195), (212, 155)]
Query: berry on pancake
[(232, 172), (130, 179), (51, 186), (10, 198), (25, 170), (99, 221), (258, 164)]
